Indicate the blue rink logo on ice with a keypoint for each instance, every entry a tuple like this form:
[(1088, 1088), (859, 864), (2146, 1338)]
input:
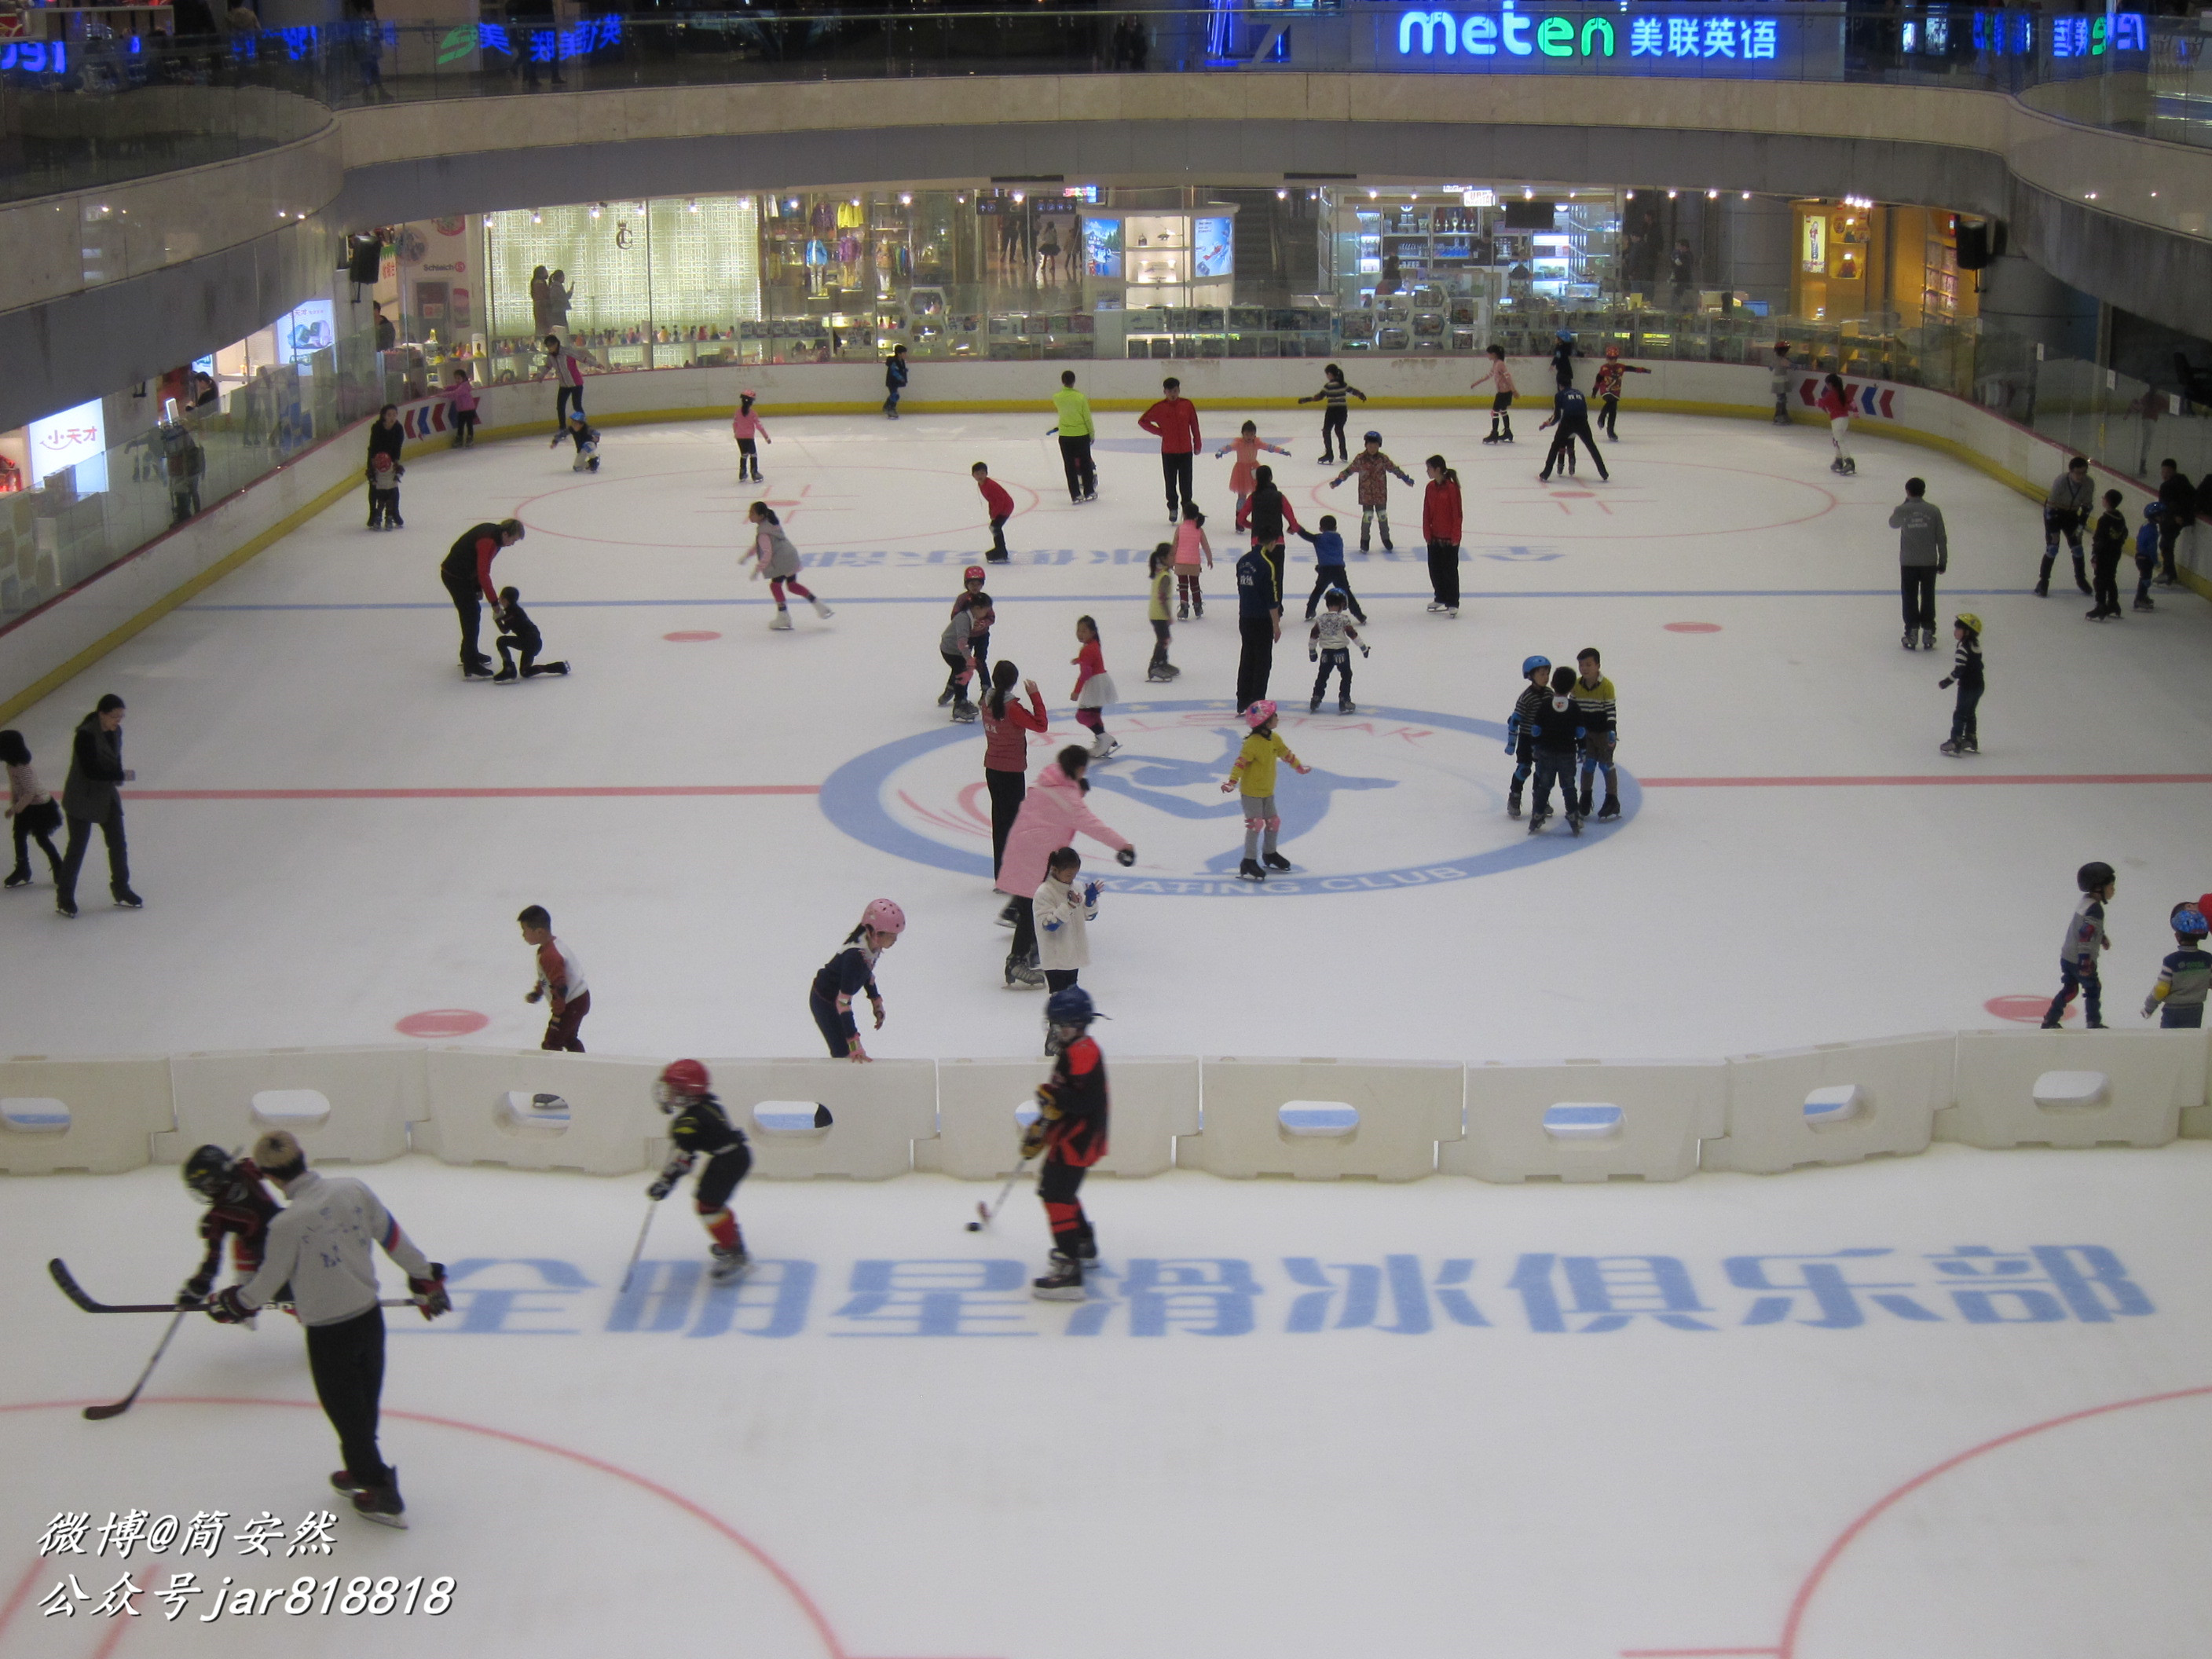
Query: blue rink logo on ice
[(1397, 798)]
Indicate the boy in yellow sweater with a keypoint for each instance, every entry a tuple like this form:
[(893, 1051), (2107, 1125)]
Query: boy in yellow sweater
[(1254, 776)]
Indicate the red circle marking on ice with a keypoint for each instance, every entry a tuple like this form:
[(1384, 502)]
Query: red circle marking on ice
[(2028, 1010), (691, 636), (1693, 628), (441, 1022)]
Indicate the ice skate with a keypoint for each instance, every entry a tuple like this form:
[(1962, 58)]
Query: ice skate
[(1492, 439), (1104, 746), (1023, 974), (1436, 607), (1182, 612), (1346, 705), (559, 669), (963, 712), (1251, 870), (945, 697), (1313, 706), (1452, 611), (1972, 746), (781, 625), (1581, 805), (594, 465), (506, 676), (1850, 467), (1948, 747), (1063, 1282), (1575, 823), (126, 900), (1610, 810), (1513, 806), (822, 611), (1911, 640), (475, 670), (1006, 916), (1163, 673), (346, 1481), (18, 878), (2144, 604), (1538, 819), (381, 1504), (729, 1262), (65, 909), (1198, 609), (1274, 860)]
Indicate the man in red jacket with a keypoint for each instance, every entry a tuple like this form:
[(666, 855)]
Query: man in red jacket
[(466, 573), (1174, 422)]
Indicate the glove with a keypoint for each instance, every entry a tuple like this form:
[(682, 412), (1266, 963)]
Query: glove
[(229, 1308), (660, 1188), (1312, 655), (195, 1289), (1032, 1141), (1090, 890), (1126, 857), (429, 1293), (1943, 685), (1365, 652), (2150, 1006)]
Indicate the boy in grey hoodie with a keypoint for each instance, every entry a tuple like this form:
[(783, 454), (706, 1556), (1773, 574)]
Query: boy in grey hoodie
[(1924, 553)]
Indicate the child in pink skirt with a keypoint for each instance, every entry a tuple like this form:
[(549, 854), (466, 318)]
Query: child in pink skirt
[(1190, 546), (1247, 447)]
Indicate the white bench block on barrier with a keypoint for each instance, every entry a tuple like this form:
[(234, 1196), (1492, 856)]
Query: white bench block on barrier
[(1151, 1101), (1405, 1108), (2074, 1088), (877, 1113), (473, 1117), (112, 1110), (1548, 1122), (346, 1105), (1835, 1103)]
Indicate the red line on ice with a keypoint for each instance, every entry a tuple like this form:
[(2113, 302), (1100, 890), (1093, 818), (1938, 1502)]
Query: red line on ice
[(578, 792), (1932, 781), (21, 1592)]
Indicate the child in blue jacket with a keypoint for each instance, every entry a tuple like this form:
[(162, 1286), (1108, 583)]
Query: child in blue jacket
[(1328, 566)]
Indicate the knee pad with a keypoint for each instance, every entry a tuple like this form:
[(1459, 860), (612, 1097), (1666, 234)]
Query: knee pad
[(1273, 825), (707, 1217), (1255, 825), (1063, 1217)]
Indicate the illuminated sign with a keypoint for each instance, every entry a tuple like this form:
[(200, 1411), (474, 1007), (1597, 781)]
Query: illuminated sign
[(1814, 251), (75, 438), (1102, 248), (1683, 40), (1212, 249)]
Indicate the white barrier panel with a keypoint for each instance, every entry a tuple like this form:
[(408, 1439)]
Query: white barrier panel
[(876, 1112), (2074, 1088), (1835, 1103), (611, 1118), (1551, 1122), (346, 1105), (113, 1108), (1150, 1103), (1405, 1108)]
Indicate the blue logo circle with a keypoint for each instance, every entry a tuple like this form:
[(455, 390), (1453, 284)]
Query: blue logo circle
[(860, 798)]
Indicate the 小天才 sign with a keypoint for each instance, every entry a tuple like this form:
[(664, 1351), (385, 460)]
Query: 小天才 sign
[(1515, 37)]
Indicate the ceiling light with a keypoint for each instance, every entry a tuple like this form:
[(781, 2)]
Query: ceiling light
[(1712, 196), (694, 205), (1672, 194), (906, 198), (1746, 196), (1285, 195)]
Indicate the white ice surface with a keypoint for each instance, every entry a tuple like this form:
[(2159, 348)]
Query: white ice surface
[(1715, 920)]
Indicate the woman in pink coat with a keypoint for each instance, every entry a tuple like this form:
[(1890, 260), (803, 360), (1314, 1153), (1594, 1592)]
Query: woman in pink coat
[(1052, 811)]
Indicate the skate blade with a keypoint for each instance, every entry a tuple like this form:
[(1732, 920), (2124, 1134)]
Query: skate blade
[(1067, 1293)]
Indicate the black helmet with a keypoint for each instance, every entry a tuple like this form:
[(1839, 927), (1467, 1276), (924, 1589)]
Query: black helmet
[(2094, 878), (209, 1172)]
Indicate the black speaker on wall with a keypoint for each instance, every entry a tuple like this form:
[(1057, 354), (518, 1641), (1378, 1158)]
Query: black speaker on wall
[(364, 259), (1530, 216), (1981, 245)]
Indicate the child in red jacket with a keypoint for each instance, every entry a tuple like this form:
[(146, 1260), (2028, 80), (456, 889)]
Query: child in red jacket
[(1000, 506), (1440, 528)]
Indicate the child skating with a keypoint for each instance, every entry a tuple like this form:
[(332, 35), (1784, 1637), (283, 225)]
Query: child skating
[(2065, 510), (1190, 547), (1499, 379), (2146, 555), (1070, 1133), (1253, 777), (1094, 688), (750, 432), (2107, 542), (1335, 411), (1835, 404), (384, 473), (1375, 470), (775, 558), (1160, 581), (1778, 381), (1248, 447), (701, 1129), (560, 985), (1570, 414), (1000, 508), (1328, 566), (1596, 701), (1965, 674), (978, 643), (1521, 726), (1558, 731), (35, 814), (849, 974), (517, 632), (2177, 998), (1606, 390), (585, 437), (2086, 940), (462, 394), (1065, 906), (1329, 643), (956, 645)]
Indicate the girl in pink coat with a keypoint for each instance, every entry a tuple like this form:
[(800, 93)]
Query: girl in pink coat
[(746, 427), (1052, 813)]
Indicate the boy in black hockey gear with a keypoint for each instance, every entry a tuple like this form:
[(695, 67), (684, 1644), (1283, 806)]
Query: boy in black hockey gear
[(2184, 976), (518, 633), (703, 1129), (1967, 674), (1520, 726), (1071, 1133), (2065, 510), (239, 1208), (2085, 940), (1558, 729), (1594, 698), (2108, 543), (1570, 414)]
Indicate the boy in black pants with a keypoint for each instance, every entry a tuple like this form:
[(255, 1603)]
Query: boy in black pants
[(1328, 566), (1558, 729), (1071, 1133), (702, 1128), (1965, 674), (2107, 543), (2085, 940), (518, 633), (1521, 728)]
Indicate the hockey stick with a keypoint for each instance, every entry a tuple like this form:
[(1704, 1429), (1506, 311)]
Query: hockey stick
[(638, 1249), (75, 1293), (101, 1414), (985, 1213)]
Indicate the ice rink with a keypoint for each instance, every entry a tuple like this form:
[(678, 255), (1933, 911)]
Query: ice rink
[(1953, 1408)]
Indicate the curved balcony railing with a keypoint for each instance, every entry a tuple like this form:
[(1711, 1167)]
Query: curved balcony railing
[(89, 106)]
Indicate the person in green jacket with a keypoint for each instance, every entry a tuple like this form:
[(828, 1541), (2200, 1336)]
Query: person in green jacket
[(1076, 429)]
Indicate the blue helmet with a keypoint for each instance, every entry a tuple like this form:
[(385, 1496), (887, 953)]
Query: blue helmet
[(1073, 1006), (2190, 924), (1530, 664)]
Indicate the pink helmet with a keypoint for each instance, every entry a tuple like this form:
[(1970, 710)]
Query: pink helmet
[(1258, 714), (884, 917)]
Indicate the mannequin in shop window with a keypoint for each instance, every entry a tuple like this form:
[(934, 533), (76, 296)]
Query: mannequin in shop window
[(541, 304)]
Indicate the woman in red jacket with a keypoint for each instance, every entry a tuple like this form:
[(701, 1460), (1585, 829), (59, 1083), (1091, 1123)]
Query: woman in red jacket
[(1007, 726), (1440, 527), (1836, 404)]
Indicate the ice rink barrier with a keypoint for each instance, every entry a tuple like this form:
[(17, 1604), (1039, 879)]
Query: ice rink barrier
[(484, 1109), (876, 1114), (979, 1134), (346, 1105), (96, 1116), (2074, 1088), (1837, 1103), (1588, 1120), (1273, 1117)]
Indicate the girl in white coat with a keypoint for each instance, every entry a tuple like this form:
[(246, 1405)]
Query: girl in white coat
[(777, 560)]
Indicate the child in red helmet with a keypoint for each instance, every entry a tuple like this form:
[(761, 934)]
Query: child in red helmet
[(1606, 388), (977, 653), (849, 973), (701, 1128)]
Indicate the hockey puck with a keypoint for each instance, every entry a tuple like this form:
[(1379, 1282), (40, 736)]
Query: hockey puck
[(975, 1226)]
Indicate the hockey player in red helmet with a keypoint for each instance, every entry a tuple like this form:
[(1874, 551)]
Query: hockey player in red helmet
[(239, 1208), (701, 1129), (848, 974), (1071, 1132)]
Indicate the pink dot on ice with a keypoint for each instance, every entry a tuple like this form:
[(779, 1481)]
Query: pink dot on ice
[(441, 1022), (2028, 1010), (691, 636), (1693, 628)]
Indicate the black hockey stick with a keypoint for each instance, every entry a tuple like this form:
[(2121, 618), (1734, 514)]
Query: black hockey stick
[(985, 1213), (638, 1249), (75, 1293), (101, 1414)]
